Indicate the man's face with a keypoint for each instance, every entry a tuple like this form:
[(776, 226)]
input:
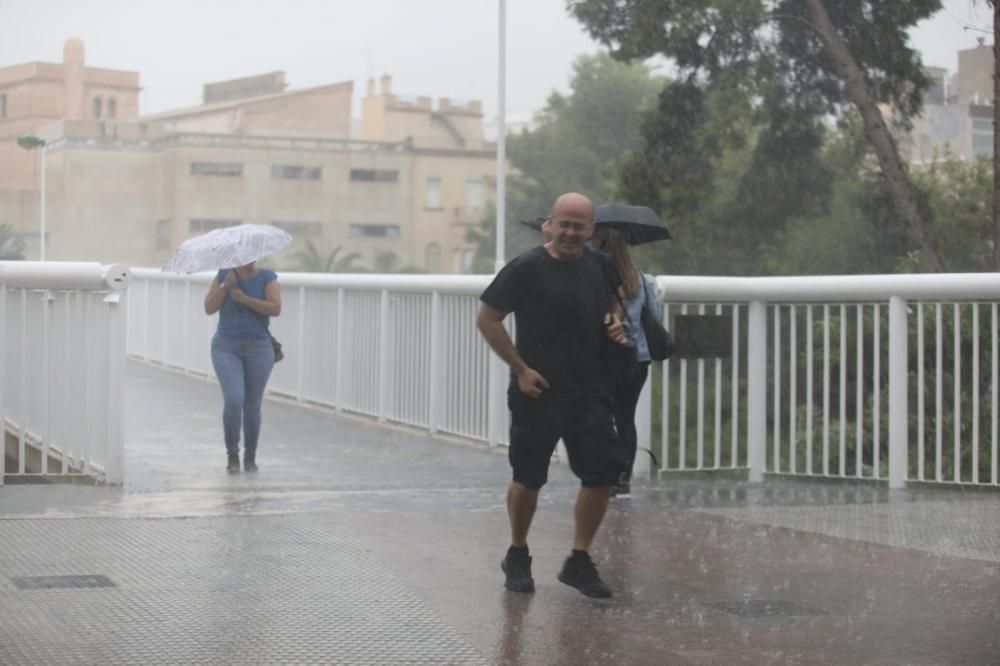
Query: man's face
[(569, 234)]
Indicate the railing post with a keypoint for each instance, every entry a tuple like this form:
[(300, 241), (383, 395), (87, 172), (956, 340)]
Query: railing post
[(3, 381), (115, 417), (643, 424), (164, 329), (46, 395), (384, 370), (756, 389), (338, 400), (496, 396), (186, 365), (146, 325), (436, 378), (300, 366), (898, 392)]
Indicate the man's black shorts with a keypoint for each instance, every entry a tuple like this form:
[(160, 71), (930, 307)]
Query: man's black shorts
[(582, 417)]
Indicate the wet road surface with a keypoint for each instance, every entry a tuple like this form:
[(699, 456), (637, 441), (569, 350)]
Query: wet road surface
[(364, 544)]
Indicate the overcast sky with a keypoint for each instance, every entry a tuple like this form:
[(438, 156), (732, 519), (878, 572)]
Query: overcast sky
[(440, 48)]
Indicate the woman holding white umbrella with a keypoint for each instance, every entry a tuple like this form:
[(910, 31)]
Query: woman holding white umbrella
[(243, 351)]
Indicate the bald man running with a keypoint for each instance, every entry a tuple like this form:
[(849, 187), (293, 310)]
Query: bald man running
[(561, 294)]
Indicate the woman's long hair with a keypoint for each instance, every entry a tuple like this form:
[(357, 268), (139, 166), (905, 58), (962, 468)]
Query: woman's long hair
[(612, 241)]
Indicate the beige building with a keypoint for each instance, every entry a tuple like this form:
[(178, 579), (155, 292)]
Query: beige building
[(958, 112), (128, 188)]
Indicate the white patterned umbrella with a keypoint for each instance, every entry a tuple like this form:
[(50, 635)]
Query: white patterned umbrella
[(228, 247)]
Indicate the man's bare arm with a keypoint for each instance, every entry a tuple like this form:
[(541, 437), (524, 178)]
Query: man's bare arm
[(489, 321)]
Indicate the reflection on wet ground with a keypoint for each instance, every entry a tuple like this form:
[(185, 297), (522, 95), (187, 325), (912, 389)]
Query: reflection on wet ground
[(369, 545)]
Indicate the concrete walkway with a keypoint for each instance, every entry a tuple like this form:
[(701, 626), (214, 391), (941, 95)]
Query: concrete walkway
[(360, 544)]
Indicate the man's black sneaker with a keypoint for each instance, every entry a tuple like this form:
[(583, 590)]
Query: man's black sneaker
[(622, 490), (516, 566), (579, 572), (249, 464), (233, 466)]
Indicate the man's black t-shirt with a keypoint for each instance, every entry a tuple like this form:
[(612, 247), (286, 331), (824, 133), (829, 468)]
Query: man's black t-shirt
[(559, 309)]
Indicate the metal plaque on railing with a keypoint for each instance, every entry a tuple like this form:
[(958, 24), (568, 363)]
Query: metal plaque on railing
[(703, 336)]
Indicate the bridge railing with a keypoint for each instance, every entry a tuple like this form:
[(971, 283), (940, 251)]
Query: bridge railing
[(397, 348), (883, 378), (62, 366)]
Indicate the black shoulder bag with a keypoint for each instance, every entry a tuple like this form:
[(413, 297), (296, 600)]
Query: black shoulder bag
[(658, 339)]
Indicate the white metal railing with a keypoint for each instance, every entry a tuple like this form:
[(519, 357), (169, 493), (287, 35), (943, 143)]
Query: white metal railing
[(882, 377), (824, 376), (398, 348), (62, 366)]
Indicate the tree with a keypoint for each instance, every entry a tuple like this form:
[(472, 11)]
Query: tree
[(996, 132), (11, 244), (574, 147), (311, 260), (785, 64)]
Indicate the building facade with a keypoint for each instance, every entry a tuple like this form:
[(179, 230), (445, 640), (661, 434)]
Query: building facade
[(957, 119), (128, 188)]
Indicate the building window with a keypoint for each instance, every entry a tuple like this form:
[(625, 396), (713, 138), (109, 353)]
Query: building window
[(375, 175), (374, 231), (432, 258), (982, 144), (980, 125), (200, 225), (3, 106), (216, 169), (300, 228), (432, 198), (96, 108), (112, 108), (473, 194), (291, 172), (162, 234)]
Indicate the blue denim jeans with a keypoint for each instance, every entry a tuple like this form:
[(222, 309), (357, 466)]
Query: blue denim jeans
[(242, 366)]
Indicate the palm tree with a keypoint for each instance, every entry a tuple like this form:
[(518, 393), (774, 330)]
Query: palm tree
[(11, 245), (311, 260)]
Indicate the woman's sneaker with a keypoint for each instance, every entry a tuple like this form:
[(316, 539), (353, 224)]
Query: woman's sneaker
[(516, 566), (579, 572)]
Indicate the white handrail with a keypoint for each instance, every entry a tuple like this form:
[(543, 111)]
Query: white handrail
[(829, 288), (63, 275)]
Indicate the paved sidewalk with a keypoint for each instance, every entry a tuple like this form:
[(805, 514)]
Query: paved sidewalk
[(360, 544)]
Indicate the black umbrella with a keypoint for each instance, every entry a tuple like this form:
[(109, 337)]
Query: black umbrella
[(639, 224)]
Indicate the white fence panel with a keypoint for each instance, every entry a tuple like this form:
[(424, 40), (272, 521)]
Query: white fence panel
[(876, 378), (403, 349), (62, 352)]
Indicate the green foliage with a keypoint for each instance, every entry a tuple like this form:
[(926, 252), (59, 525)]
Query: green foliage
[(750, 106), (578, 138), (312, 260)]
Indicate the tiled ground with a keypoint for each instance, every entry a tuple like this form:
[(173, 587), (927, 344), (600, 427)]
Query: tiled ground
[(363, 545)]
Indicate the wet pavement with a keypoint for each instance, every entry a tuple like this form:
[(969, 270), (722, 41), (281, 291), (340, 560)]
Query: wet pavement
[(364, 544)]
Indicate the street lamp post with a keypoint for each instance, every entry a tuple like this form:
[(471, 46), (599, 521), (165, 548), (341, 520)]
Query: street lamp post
[(501, 223), (31, 142)]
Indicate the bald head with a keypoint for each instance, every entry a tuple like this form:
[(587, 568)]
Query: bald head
[(570, 225), (573, 205)]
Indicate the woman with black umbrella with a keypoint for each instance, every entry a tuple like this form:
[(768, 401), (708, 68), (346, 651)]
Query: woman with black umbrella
[(612, 234)]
